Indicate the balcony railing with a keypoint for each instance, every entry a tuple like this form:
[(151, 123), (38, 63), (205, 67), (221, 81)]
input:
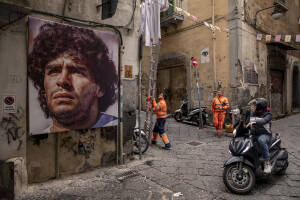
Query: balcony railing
[(172, 16)]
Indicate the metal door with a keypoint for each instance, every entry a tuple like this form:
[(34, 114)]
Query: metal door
[(276, 104), (172, 80)]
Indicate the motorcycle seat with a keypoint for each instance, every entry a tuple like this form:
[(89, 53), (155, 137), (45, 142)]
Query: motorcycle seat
[(191, 109)]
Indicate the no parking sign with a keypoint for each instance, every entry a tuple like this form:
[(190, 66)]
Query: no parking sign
[(9, 103)]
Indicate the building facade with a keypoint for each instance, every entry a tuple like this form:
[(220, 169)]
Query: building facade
[(37, 158), (234, 60)]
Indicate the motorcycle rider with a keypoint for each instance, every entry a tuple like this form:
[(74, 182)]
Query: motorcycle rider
[(160, 109), (260, 127)]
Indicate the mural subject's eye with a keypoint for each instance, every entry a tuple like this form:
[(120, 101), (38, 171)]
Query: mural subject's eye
[(53, 71), (82, 71)]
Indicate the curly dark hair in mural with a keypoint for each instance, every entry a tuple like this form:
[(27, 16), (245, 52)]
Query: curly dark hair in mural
[(55, 39)]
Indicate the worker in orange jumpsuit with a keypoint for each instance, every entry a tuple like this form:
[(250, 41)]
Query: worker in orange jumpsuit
[(218, 108), (160, 110)]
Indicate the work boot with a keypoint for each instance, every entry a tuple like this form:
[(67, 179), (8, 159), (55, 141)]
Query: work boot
[(267, 168), (154, 142), (167, 146), (219, 133)]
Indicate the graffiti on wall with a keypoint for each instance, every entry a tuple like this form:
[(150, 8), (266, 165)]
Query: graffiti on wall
[(11, 128), (81, 143)]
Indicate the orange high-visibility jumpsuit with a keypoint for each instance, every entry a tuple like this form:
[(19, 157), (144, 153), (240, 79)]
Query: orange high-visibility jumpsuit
[(218, 107), (160, 109)]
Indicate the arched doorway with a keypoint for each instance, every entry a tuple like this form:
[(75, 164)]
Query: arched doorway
[(296, 89), (172, 78)]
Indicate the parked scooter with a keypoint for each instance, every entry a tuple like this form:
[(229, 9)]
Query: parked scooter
[(246, 163), (190, 115), (144, 140)]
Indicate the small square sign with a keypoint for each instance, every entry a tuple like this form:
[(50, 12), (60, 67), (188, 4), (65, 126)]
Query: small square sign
[(128, 71), (9, 103)]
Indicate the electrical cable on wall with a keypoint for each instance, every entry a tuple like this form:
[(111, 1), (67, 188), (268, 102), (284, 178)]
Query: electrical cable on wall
[(84, 22)]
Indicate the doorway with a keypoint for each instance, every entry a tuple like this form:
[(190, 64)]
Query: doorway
[(276, 102), (172, 81), (296, 89)]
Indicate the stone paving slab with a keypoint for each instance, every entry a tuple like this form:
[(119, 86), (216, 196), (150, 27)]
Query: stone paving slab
[(195, 171)]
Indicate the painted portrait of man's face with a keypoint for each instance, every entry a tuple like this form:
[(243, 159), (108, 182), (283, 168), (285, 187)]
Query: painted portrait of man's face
[(75, 77), (71, 93)]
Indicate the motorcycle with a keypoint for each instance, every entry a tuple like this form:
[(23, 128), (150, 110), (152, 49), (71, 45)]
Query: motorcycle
[(193, 114), (246, 164), (144, 141)]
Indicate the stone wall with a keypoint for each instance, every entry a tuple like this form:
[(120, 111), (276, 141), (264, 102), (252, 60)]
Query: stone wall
[(52, 155)]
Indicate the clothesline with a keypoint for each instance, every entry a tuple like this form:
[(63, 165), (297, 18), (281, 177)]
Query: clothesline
[(288, 37)]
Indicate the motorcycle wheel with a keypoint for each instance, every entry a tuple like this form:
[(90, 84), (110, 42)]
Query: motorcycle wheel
[(144, 145), (235, 184), (178, 117)]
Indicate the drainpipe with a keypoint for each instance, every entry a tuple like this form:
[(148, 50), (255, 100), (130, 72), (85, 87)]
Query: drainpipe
[(121, 108), (214, 45), (140, 92)]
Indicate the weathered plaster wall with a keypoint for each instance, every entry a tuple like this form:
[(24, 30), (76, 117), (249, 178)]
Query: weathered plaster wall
[(244, 46), (13, 81), (77, 150), (292, 62), (190, 38)]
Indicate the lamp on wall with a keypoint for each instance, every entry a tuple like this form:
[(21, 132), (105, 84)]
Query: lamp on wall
[(275, 15)]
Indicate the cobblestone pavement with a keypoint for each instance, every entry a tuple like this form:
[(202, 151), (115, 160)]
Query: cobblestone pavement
[(195, 171)]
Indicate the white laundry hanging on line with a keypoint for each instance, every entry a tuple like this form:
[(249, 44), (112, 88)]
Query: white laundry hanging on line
[(142, 18), (150, 20)]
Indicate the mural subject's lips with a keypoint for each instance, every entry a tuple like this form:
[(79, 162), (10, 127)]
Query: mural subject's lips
[(63, 95)]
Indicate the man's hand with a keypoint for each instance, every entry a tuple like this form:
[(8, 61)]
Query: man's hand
[(250, 124)]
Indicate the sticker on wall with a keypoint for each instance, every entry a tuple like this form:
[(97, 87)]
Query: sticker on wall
[(128, 71), (9, 103), (205, 55)]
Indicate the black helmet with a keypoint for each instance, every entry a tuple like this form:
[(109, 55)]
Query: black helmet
[(261, 104)]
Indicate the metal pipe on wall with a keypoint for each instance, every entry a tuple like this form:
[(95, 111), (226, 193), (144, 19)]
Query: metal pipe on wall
[(140, 92), (120, 144), (214, 45)]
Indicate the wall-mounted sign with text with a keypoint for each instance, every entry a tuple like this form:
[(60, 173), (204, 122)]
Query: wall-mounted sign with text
[(9, 104)]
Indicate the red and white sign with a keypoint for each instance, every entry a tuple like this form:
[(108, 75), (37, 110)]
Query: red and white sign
[(9, 103), (194, 61)]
